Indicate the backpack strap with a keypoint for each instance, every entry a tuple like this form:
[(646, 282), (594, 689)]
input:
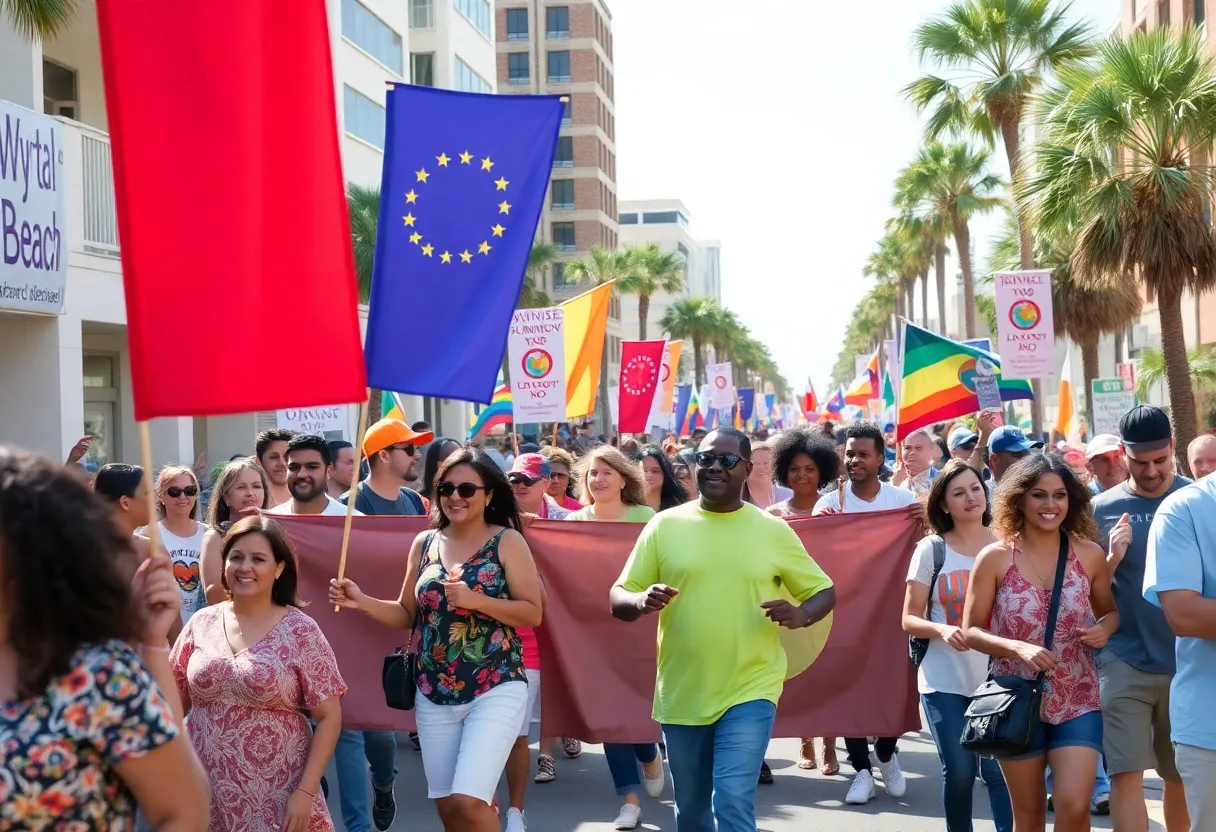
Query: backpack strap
[(939, 560)]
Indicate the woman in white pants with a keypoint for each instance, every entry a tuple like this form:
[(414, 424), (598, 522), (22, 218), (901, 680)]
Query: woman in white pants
[(471, 582)]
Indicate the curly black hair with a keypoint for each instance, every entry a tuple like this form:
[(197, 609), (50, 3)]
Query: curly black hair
[(867, 430), (816, 444), (65, 574)]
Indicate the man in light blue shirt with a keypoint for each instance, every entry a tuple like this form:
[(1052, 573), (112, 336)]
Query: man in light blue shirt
[(1180, 577)]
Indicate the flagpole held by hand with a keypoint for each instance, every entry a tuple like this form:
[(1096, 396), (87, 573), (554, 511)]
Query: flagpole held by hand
[(145, 454), (350, 501)]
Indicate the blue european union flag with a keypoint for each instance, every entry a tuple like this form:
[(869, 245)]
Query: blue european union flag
[(465, 177)]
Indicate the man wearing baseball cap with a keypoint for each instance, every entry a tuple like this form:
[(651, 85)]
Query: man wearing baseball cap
[(1006, 445), (962, 442), (529, 478), (1137, 665), (1104, 459), (391, 449)]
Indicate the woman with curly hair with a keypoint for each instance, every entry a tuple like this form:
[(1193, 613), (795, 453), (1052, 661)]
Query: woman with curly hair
[(663, 490), (1039, 505), (804, 461)]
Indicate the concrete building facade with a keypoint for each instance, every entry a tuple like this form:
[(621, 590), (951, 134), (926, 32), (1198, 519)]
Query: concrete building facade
[(69, 374)]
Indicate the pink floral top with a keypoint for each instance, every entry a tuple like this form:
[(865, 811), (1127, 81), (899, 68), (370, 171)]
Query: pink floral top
[(1019, 612)]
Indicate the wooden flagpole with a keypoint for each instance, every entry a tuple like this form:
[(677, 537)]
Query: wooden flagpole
[(350, 497), (145, 454)]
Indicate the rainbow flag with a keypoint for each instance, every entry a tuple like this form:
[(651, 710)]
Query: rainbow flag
[(865, 386), (938, 382), (498, 412), (390, 406), (692, 417)]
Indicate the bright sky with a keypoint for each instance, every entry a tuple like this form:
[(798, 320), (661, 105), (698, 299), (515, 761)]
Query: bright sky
[(780, 125)]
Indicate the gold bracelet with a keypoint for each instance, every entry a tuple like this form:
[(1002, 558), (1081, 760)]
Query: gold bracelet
[(310, 794)]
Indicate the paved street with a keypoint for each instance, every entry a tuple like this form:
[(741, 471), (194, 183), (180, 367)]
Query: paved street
[(582, 799)]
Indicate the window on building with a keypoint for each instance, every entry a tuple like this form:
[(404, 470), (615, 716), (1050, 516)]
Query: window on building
[(563, 194), (467, 80), (477, 12), (372, 35), (363, 117), (422, 14), (559, 67), (628, 219), (1200, 11), (58, 90), (517, 24), (517, 68), (614, 308), (422, 69), (560, 281), (563, 236), (557, 21), (564, 156), (664, 218), (567, 110)]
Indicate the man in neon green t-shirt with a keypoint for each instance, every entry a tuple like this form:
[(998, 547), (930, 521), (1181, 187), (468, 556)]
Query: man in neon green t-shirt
[(713, 569)]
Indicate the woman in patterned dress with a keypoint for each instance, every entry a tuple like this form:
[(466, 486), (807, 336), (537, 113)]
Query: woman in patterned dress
[(470, 582), (251, 671), (1005, 616), (85, 732)]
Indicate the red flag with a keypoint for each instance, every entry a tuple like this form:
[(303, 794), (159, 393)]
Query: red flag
[(640, 364), (231, 206)]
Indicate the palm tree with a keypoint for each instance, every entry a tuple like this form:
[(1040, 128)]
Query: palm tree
[(1079, 311), (39, 19), (693, 320), (363, 205), (998, 52), (531, 296), (1120, 156), (599, 267), (653, 271), (1201, 367), (952, 181)]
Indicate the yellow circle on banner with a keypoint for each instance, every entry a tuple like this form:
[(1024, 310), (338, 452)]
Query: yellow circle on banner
[(803, 646)]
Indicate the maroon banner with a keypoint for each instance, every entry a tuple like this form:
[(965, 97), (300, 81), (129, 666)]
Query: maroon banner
[(640, 365), (597, 673)]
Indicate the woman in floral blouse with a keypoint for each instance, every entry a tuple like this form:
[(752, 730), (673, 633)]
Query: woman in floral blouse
[(470, 582), (85, 731)]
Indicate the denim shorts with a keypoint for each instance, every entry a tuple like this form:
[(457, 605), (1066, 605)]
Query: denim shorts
[(1084, 731)]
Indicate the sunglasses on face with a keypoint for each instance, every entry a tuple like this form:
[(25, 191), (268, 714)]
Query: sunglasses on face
[(706, 459), (520, 479), (173, 492), (409, 450), (464, 489)]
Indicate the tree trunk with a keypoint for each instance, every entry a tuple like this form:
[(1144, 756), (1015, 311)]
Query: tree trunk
[(375, 406), (605, 410), (900, 297), (1089, 372), (1009, 132), (962, 240), (643, 313), (1177, 376), (924, 298), (939, 270)]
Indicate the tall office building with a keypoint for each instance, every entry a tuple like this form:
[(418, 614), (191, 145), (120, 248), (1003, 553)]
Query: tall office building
[(564, 47)]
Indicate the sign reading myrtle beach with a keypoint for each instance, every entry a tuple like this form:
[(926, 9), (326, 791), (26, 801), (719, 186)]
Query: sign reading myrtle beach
[(33, 239)]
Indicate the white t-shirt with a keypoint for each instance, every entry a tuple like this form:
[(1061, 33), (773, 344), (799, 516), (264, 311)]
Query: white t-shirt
[(184, 552), (331, 508), (946, 670), (889, 497)]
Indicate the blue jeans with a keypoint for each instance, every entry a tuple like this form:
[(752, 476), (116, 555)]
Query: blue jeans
[(355, 752), (714, 768), (623, 759), (944, 711)]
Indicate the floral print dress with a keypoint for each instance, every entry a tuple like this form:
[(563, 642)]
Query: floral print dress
[(248, 715), (58, 750), (463, 653)]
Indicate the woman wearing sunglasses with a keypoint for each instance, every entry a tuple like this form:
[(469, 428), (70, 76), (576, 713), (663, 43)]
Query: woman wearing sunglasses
[(470, 582), (181, 534)]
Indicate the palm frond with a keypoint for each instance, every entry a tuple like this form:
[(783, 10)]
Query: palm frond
[(39, 19)]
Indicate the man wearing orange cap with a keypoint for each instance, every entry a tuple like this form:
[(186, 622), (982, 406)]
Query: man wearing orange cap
[(391, 450)]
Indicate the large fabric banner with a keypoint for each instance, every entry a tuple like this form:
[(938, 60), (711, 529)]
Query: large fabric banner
[(597, 673)]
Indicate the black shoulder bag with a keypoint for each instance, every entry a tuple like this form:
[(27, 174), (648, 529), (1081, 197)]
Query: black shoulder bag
[(919, 647), (399, 674), (1004, 712)]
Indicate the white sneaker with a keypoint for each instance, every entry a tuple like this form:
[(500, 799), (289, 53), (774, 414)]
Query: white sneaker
[(515, 821), (893, 781), (862, 790), (629, 818), (654, 785)]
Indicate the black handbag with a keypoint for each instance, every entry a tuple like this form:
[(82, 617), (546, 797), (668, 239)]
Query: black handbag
[(919, 647), (398, 678), (1003, 715)]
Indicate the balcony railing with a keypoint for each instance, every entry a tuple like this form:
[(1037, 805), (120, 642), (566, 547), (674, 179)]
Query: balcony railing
[(93, 217)]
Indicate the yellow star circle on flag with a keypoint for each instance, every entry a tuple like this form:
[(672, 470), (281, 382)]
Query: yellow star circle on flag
[(486, 164), (411, 198), (498, 229), (465, 257), (484, 248), (445, 257), (466, 158), (442, 159)]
